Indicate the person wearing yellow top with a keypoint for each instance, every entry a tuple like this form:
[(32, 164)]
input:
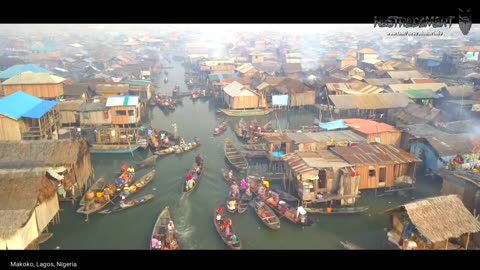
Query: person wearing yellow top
[(266, 183)]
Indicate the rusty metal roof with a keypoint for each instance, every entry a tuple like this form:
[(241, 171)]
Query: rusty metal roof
[(305, 161), (370, 101), (326, 136), (374, 154), (276, 137)]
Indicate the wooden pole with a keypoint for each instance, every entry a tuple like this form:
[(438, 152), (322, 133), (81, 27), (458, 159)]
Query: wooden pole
[(446, 244), (468, 241)]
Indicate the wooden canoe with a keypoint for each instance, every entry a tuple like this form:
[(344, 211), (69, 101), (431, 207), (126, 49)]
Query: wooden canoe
[(92, 207), (113, 148), (197, 179), (285, 196), (350, 246), (270, 220), (229, 180), (338, 210), (160, 231), (220, 129), (255, 147), (166, 151), (244, 201), (148, 162), (290, 213), (240, 113), (236, 199), (234, 156), (239, 128), (128, 204), (180, 150), (141, 183), (98, 186), (225, 239)]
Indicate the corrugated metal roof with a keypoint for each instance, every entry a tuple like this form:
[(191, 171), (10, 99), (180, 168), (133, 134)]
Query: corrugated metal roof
[(33, 78), (374, 154), (372, 61), (17, 69), (69, 105), (245, 68), (420, 94), (262, 86), (122, 101), (420, 86), (325, 136), (446, 144), (93, 107), (21, 104), (276, 137), (415, 113), (405, 75), (367, 51), (459, 91), (112, 88), (305, 161), (235, 89), (370, 101), (366, 126)]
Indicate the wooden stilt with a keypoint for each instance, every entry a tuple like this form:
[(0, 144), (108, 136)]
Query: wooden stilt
[(468, 241), (446, 245)]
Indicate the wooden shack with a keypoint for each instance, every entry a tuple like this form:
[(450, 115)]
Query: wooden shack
[(417, 114), (431, 223), (299, 94), (41, 85), (321, 176), (141, 88), (69, 112), (381, 107), (125, 110), (237, 96), (110, 90), (292, 70), (78, 91), (28, 204), (380, 165), (375, 132), (67, 162), (436, 148), (25, 117), (94, 114)]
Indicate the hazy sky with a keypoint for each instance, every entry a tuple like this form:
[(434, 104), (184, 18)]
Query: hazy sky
[(209, 28)]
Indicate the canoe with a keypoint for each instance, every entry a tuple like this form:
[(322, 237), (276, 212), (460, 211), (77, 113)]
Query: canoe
[(234, 156), (160, 231), (350, 246), (239, 113), (44, 237), (255, 147), (270, 219), (148, 162), (239, 128), (236, 199), (113, 148), (197, 179), (93, 206), (141, 183), (128, 204), (220, 129), (166, 151), (338, 210), (285, 196), (98, 186), (227, 241), (290, 212), (230, 181), (244, 201), (180, 150)]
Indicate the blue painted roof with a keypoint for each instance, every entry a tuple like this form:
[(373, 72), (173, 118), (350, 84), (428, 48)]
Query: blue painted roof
[(17, 69), (333, 125), (21, 104)]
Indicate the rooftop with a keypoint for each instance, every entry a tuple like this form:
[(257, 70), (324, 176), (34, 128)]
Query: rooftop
[(366, 127), (440, 218), (21, 104), (33, 78), (374, 154)]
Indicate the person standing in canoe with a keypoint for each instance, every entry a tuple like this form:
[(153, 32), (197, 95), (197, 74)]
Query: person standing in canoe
[(199, 160), (124, 167)]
